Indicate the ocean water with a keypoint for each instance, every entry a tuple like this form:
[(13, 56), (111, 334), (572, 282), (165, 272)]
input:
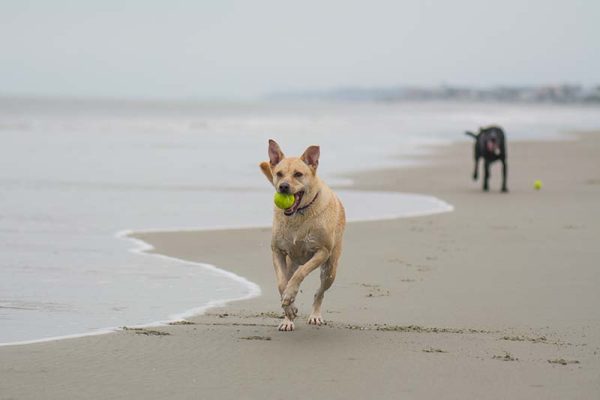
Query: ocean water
[(76, 176)]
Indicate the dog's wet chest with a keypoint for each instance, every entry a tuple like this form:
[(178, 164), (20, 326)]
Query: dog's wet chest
[(300, 245)]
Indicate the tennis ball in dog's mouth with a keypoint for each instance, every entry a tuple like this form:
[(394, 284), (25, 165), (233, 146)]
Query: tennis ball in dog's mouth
[(537, 185), (283, 200)]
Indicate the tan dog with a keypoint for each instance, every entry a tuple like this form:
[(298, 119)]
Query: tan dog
[(306, 236)]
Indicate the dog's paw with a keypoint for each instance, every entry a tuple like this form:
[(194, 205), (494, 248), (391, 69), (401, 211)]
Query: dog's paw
[(286, 325), (315, 319), (504, 190)]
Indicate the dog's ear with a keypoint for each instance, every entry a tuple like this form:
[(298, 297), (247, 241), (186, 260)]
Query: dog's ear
[(275, 153), (265, 167), (311, 156)]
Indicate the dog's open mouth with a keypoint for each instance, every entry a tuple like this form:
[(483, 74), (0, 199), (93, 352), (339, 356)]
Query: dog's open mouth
[(294, 207), (492, 147)]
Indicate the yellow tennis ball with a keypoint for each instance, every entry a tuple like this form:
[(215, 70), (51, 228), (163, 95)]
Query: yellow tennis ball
[(283, 200), (537, 185)]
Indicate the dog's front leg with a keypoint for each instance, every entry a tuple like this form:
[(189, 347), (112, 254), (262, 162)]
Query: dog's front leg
[(290, 292), (280, 265), (486, 175), (282, 273)]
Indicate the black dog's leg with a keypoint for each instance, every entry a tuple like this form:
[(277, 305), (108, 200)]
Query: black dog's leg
[(504, 173), (486, 175), (476, 171), (477, 154)]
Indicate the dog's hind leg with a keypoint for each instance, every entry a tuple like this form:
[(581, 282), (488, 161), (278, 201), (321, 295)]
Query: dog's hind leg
[(328, 271), (476, 170), (504, 173), (476, 157)]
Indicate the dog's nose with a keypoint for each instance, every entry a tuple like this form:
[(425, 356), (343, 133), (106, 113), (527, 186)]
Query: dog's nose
[(284, 187)]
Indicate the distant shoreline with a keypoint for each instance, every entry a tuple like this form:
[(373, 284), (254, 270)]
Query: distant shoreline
[(559, 94), (525, 94)]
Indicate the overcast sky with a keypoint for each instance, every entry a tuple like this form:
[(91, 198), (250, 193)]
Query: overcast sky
[(242, 49)]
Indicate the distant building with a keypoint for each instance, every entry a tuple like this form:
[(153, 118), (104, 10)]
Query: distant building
[(561, 93)]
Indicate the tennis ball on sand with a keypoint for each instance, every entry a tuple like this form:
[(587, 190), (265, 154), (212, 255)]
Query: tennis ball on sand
[(537, 185), (283, 200)]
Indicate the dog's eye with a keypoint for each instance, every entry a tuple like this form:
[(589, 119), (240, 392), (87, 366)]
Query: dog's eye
[(279, 174), (297, 174)]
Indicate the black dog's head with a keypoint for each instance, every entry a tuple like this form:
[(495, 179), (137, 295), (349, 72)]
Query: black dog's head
[(489, 140), (491, 144)]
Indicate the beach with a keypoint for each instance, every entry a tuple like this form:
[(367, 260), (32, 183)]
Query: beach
[(497, 299)]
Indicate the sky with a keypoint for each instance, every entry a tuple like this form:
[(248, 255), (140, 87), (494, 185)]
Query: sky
[(228, 49)]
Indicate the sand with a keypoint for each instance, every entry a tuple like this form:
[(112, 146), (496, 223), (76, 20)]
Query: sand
[(498, 299)]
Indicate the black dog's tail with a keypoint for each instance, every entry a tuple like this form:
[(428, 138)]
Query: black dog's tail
[(474, 136)]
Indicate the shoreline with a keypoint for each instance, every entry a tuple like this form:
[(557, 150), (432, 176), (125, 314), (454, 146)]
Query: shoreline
[(144, 248), (497, 299)]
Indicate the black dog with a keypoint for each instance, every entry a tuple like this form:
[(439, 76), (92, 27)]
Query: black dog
[(490, 144)]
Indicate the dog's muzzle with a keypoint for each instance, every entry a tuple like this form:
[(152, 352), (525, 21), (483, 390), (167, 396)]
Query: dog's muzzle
[(297, 200)]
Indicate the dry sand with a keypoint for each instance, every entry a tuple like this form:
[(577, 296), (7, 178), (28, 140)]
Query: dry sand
[(498, 299)]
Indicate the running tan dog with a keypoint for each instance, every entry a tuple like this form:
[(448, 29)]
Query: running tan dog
[(306, 236)]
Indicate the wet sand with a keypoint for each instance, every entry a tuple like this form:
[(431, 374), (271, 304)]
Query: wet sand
[(498, 299)]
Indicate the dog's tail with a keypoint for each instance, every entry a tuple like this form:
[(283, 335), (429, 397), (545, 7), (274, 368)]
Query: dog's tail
[(265, 167), (474, 136)]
